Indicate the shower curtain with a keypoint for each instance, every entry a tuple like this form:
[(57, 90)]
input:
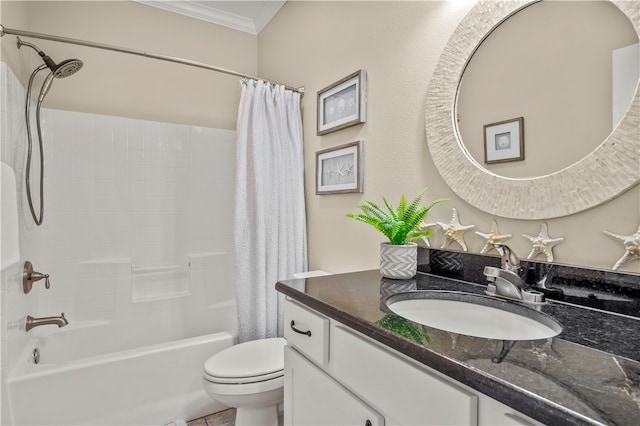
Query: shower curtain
[(270, 224)]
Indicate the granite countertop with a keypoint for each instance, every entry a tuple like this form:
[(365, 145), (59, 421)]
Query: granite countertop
[(588, 374)]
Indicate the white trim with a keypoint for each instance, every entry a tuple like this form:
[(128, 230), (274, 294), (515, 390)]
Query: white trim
[(216, 15)]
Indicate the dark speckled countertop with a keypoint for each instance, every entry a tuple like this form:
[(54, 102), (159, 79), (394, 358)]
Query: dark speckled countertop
[(588, 374)]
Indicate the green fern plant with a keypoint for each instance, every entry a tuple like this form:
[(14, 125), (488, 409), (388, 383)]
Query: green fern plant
[(405, 328), (400, 225)]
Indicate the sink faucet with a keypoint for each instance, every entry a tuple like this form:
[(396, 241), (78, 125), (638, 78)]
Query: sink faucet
[(505, 281), (32, 322)]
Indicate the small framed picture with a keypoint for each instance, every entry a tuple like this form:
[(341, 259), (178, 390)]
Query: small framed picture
[(340, 169), (504, 141), (342, 104)]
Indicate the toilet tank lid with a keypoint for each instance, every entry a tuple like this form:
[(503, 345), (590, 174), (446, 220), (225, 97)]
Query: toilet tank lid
[(248, 359), (311, 274)]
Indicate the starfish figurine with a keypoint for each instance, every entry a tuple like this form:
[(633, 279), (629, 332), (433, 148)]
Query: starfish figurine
[(425, 226), (454, 231), (631, 246), (543, 244), (492, 238)]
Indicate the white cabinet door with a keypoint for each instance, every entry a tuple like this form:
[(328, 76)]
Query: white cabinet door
[(494, 413), (402, 392), (311, 397)]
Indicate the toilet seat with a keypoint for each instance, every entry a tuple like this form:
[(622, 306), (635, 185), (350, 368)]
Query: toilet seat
[(243, 380), (249, 362)]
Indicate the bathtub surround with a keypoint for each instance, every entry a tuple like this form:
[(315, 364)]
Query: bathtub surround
[(10, 250), (270, 221), (139, 249)]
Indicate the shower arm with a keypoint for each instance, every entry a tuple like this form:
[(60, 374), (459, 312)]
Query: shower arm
[(4, 30), (26, 43)]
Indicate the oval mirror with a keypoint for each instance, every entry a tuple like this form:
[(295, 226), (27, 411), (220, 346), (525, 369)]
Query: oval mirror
[(534, 188), (558, 76)]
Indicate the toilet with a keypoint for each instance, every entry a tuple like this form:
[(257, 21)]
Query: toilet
[(250, 377)]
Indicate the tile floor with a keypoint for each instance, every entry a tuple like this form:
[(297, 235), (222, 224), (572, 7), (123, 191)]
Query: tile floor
[(223, 418)]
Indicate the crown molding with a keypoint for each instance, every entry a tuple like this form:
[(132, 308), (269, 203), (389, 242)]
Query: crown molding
[(206, 11)]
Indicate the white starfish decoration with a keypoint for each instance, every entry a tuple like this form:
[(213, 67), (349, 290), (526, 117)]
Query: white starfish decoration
[(492, 238), (454, 231), (426, 226), (349, 169), (631, 246), (339, 170), (543, 244)]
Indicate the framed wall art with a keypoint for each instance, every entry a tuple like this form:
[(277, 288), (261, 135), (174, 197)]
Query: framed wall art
[(343, 103), (504, 141), (340, 169)]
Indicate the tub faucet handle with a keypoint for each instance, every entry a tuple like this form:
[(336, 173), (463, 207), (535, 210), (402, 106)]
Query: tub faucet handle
[(29, 276), (37, 276)]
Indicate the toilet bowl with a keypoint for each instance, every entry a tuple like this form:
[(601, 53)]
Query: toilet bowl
[(249, 377)]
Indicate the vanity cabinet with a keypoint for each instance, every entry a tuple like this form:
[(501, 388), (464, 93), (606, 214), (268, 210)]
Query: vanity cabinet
[(312, 397), (349, 379)]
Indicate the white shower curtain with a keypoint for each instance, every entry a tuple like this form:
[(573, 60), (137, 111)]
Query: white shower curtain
[(270, 223)]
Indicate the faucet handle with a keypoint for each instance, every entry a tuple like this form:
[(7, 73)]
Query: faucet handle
[(37, 276), (509, 260), (29, 276)]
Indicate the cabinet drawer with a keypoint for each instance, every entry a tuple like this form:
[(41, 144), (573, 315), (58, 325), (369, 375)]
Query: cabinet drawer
[(307, 331), (402, 392)]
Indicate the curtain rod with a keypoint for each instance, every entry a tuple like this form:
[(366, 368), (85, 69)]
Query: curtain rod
[(4, 30)]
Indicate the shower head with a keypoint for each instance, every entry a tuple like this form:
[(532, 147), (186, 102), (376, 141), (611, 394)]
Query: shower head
[(63, 69), (67, 67)]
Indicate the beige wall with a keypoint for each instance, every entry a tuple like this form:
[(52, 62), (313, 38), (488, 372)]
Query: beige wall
[(311, 44), (125, 85), (398, 43), (560, 81), (16, 13)]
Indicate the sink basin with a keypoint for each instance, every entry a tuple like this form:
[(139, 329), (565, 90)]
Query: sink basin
[(473, 315)]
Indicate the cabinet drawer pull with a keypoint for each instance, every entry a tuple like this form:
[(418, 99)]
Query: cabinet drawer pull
[(308, 332)]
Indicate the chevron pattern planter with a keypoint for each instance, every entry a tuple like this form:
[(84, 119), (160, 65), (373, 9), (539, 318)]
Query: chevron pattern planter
[(398, 262)]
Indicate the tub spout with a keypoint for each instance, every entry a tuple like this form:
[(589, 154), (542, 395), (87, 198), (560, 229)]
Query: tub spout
[(32, 322)]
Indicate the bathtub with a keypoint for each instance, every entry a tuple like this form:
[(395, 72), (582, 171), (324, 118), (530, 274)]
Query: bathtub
[(78, 382)]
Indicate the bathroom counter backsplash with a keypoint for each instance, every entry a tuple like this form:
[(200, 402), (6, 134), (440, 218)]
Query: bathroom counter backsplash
[(589, 374), (607, 290)]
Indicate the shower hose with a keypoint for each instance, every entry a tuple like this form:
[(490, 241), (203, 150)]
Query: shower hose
[(37, 218)]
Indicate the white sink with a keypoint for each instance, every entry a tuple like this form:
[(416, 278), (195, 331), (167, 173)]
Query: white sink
[(473, 315)]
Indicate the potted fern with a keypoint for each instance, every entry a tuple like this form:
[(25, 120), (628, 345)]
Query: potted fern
[(401, 225)]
